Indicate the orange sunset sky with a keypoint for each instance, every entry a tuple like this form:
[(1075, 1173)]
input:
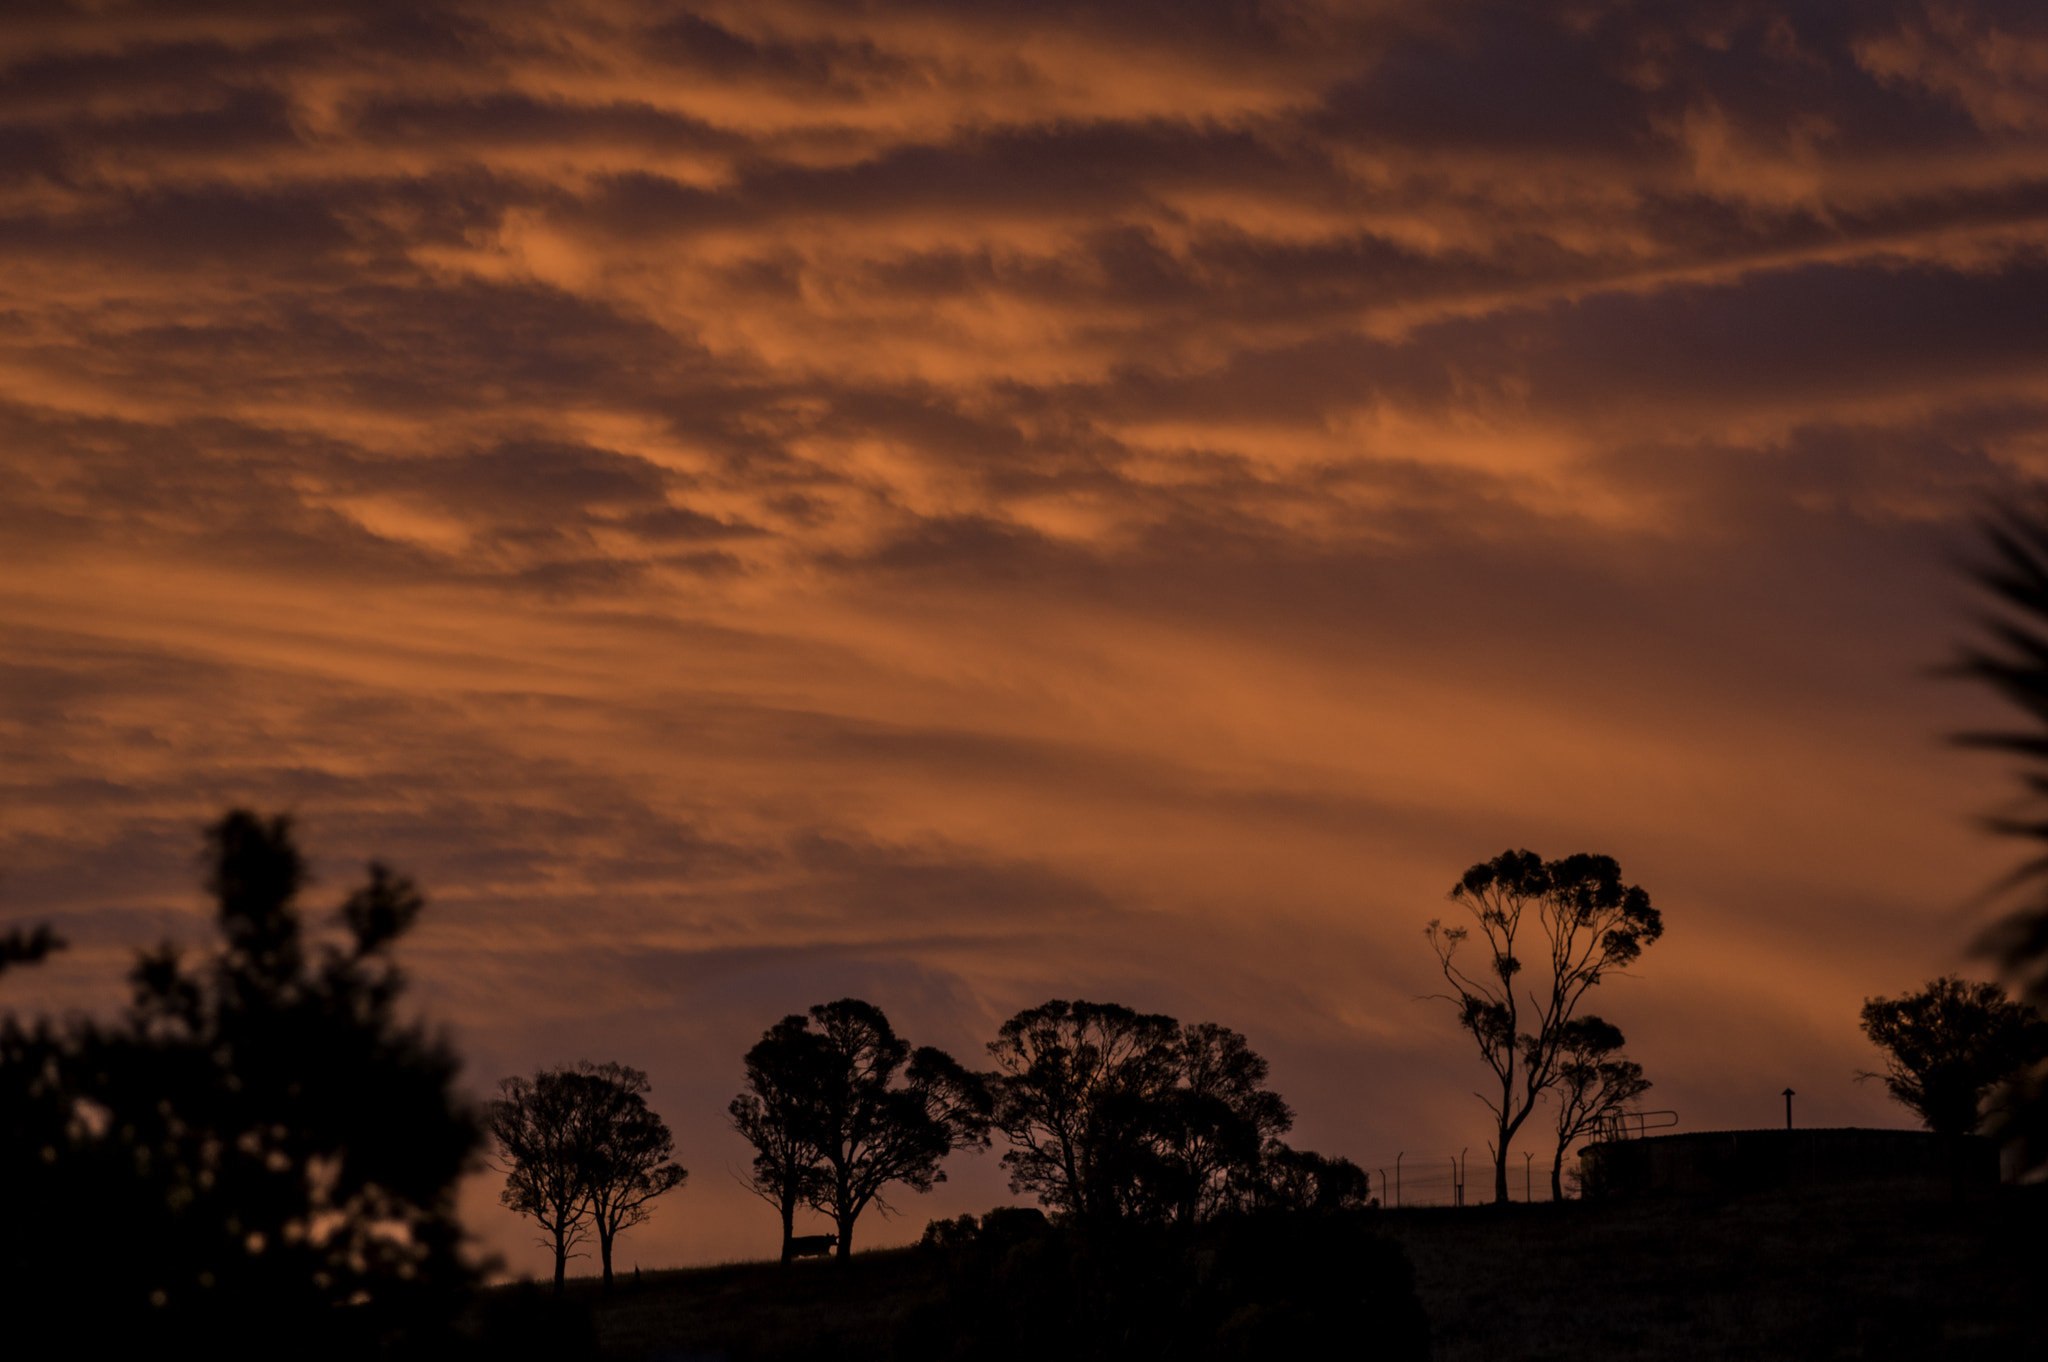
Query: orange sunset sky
[(965, 503)]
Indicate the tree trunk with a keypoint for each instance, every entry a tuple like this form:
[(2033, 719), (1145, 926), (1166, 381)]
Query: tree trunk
[(1557, 1176), (1500, 1163), (843, 1212), (561, 1263), (604, 1249), (788, 1226)]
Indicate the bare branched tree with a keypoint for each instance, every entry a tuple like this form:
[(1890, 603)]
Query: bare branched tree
[(538, 1124), (1590, 925)]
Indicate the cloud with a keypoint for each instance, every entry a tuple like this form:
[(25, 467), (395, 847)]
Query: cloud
[(963, 505)]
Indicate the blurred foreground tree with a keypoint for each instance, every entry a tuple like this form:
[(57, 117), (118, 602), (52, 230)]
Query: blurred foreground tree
[(260, 1158), (2015, 665), (1950, 1046), (1591, 925), (1594, 1083)]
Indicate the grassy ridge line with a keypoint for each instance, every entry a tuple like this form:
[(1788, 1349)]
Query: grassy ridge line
[(1828, 1273), (1838, 1272), (760, 1311)]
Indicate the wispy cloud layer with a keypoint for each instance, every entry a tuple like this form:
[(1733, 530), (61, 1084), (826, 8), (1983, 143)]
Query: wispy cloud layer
[(967, 503)]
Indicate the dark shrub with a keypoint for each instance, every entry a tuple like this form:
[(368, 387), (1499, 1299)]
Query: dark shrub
[(1263, 1285)]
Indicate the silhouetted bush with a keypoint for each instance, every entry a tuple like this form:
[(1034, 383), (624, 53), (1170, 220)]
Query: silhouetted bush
[(1254, 1285)]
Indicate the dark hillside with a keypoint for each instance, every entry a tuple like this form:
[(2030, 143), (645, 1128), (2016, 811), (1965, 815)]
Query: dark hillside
[(743, 1312), (1836, 1273), (1825, 1273)]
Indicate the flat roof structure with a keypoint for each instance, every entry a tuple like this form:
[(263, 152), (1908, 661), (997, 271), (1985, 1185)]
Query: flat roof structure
[(1725, 1161)]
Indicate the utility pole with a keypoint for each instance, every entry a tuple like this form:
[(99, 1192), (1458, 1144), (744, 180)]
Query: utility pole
[(1788, 1108)]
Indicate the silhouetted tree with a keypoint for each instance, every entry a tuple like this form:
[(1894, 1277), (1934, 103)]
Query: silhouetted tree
[(1194, 1147), (1302, 1180), (1594, 1082), (2015, 665), (1591, 924), (542, 1132), (1949, 1046), (1113, 1114), (1069, 1076), (872, 1132), (259, 1158), (784, 1069), (626, 1161)]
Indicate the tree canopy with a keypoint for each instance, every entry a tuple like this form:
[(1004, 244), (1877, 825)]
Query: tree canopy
[(1114, 1115), (1949, 1046), (1069, 1077)]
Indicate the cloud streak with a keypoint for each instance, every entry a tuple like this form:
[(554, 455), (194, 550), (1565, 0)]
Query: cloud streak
[(966, 504)]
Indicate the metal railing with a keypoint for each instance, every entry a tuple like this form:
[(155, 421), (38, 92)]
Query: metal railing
[(1633, 1125)]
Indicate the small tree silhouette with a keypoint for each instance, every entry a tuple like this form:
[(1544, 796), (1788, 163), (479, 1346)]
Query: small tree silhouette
[(538, 1124), (627, 1162), (1949, 1046), (1594, 1082), (584, 1154), (1591, 924)]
